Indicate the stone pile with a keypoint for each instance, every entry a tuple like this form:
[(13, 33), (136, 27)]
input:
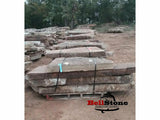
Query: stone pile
[(37, 40), (48, 36), (83, 75), (80, 66), (77, 44), (33, 51)]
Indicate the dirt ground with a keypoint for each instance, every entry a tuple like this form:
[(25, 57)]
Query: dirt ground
[(38, 108)]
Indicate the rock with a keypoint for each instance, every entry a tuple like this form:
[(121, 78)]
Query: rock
[(115, 30), (78, 67), (82, 80), (74, 44), (102, 88), (79, 37), (109, 53), (77, 52)]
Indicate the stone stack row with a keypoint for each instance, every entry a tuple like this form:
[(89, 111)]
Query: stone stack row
[(48, 36), (77, 75), (77, 43), (80, 66)]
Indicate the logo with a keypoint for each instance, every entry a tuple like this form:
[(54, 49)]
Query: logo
[(107, 103)]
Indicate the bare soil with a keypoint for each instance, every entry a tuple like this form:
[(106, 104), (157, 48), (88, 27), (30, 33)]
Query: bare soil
[(122, 45), (38, 108)]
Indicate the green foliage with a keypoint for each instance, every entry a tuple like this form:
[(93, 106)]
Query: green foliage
[(35, 13), (44, 13), (128, 11)]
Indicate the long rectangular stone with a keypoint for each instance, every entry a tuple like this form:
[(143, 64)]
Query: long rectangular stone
[(82, 81), (84, 88), (74, 44), (100, 80), (83, 40), (86, 68), (81, 31), (77, 52), (79, 37), (48, 82), (35, 38), (80, 64)]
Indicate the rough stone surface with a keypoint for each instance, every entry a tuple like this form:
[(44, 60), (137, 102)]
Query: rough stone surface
[(81, 67), (48, 82), (77, 52), (73, 44), (82, 80), (36, 56), (80, 31), (80, 64), (115, 30), (79, 37), (84, 88)]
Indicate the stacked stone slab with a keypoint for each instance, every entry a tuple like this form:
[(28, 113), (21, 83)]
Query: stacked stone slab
[(48, 36), (33, 51), (76, 52), (78, 34), (47, 40), (75, 44), (37, 40), (77, 37), (81, 75), (80, 67)]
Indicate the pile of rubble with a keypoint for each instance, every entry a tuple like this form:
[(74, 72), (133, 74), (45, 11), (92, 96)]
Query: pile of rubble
[(48, 36), (33, 51), (79, 67), (38, 40)]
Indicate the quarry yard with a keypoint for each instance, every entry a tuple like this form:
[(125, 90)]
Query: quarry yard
[(121, 47)]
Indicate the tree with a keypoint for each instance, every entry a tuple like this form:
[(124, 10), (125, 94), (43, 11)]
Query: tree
[(35, 12), (128, 11), (44, 13)]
